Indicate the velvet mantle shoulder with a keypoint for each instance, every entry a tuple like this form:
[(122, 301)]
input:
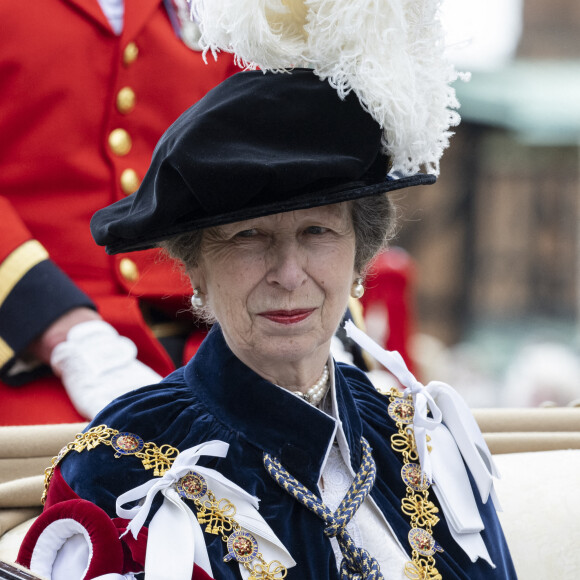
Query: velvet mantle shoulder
[(216, 397)]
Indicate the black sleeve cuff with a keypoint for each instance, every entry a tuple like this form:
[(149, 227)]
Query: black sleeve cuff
[(41, 296)]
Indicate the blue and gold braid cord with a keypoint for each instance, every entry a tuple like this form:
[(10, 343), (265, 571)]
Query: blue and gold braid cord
[(357, 563)]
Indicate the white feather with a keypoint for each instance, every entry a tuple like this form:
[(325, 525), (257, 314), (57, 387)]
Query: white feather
[(389, 52)]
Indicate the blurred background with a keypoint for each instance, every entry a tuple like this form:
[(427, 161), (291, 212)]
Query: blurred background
[(495, 244)]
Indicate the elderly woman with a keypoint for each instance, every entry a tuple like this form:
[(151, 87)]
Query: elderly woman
[(262, 458)]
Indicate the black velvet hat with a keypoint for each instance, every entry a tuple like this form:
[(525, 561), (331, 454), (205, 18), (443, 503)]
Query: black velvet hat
[(257, 144)]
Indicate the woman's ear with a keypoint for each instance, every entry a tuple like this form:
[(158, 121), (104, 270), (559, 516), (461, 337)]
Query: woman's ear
[(196, 278), (198, 300)]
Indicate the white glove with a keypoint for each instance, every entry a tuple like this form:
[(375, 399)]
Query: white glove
[(97, 365)]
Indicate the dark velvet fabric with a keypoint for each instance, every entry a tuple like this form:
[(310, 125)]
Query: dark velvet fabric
[(217, 397), (259, 143)]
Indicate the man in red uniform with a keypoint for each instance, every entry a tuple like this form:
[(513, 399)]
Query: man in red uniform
[(85, 97)]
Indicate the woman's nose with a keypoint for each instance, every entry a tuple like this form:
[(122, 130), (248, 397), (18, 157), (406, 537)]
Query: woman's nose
[(286, 266)]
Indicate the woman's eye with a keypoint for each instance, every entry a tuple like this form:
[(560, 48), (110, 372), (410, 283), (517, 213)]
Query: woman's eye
[(316, 230), (247, 233)]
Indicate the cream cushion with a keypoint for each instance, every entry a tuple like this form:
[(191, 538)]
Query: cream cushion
[(540, 496)]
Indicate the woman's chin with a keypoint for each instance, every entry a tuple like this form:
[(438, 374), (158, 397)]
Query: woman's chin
[(298, 349)]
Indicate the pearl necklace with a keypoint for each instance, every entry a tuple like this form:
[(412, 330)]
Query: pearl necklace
[(315, 393)]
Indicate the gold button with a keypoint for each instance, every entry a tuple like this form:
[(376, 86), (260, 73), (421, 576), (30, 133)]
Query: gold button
[(125, 100), (120, 142), (129, 181), (130, 53), (129, 270)]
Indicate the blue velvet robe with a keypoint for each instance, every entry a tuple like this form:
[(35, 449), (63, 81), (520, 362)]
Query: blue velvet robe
[(215, 396)]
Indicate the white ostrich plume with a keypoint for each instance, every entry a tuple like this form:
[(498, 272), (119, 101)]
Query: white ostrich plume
[(389, 52)]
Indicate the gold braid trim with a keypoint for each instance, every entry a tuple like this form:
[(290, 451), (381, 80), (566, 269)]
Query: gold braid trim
[(218, 514), (416, 504)]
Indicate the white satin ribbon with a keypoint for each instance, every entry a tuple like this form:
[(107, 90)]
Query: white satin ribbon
[(175, 539), (453, 434)]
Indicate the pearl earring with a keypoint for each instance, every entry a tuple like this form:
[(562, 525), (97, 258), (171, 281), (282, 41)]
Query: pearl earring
[(357, 289), (198, 299)]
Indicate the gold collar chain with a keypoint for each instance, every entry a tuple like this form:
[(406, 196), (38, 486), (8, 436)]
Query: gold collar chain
[(151, 455), (217, 514), (416, 504)]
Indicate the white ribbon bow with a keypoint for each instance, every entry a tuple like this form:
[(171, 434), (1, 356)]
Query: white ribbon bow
[(175, 539), (453, 434)]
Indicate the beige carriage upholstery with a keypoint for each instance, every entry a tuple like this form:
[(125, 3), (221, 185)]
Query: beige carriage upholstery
[(508, 430), (25, 452), (536, 450)]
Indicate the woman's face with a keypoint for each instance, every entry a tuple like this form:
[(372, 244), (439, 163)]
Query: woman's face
[(279, 285)]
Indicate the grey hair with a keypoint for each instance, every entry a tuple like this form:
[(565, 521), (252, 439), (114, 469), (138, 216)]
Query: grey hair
[(374, 223), (184, 248), (373, 220)]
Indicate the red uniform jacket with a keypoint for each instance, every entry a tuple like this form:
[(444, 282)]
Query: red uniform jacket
[(82, 110)]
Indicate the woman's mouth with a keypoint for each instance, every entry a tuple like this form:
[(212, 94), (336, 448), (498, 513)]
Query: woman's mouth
[(288, 316)]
